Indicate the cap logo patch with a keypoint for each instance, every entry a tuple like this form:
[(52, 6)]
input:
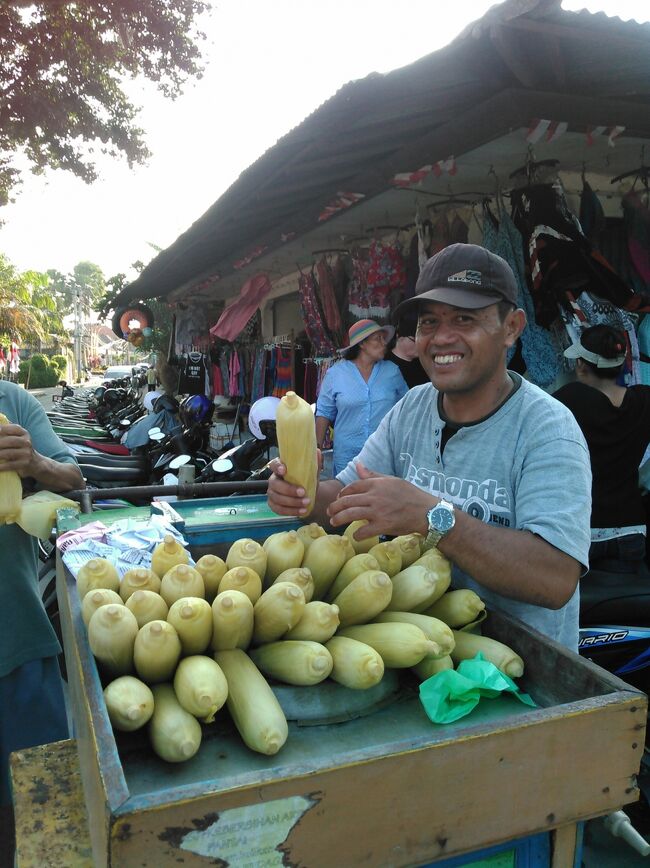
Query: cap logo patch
[(466, 276)]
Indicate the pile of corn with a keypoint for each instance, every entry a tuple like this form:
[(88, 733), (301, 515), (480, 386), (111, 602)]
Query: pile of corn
[(177, 642)]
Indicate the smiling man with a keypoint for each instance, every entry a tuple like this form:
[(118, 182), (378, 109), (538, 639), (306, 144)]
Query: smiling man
[(490, 468)]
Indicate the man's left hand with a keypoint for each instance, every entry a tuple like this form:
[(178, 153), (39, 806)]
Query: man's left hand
[(390, 505), (16, 450)]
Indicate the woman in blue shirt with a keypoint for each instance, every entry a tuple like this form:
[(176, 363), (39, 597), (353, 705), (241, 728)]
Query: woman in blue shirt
[(358, 391)]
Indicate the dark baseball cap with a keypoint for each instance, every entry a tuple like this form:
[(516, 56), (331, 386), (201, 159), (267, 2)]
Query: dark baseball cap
[(464, 275)]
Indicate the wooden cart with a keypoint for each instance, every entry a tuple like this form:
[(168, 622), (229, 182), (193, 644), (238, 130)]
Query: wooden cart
[(387, 789)]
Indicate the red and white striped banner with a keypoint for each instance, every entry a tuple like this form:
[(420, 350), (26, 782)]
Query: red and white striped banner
[(536, 129), (556, 129), (542, 128), (258, 251), (344, 200), (448, 166), (407, 179), (610, 132)]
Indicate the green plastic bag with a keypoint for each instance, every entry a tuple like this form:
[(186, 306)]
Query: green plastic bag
[(452, 694)]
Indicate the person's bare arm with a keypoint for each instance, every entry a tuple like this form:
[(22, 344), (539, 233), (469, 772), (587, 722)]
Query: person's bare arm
[(514, 563), (17, 453), (322, 424)]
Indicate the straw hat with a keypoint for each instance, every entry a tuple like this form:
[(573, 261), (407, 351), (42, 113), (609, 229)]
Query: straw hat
[(363, 329)]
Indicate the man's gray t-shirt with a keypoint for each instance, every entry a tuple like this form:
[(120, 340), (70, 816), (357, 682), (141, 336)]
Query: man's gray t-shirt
[(525, 467)]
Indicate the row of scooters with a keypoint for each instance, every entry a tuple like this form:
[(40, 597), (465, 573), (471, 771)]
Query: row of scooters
[(119, 442)]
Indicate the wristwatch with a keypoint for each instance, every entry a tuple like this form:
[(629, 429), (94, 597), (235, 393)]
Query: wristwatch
[(441, 519)]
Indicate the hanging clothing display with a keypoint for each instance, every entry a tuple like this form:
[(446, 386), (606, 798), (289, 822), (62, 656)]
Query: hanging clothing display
[(358, 294), (190, 327), (560, 258), (330, 308), (637, 225), (194, 374), (236, 316), (540, 354), (312, 315), (386, 273)]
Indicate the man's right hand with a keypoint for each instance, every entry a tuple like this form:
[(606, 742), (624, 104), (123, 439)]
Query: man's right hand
[(283, 497)]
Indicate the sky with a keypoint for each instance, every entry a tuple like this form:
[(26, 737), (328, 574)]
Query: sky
[(268, 65)]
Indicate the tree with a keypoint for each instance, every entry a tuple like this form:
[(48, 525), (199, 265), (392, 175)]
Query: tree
[(86, 282), (61, 74), (27, 307)]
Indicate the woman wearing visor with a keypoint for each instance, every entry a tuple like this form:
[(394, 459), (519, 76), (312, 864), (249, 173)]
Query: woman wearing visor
[(615, 421)]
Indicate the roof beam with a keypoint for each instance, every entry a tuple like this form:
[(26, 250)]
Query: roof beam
[(578, 34)]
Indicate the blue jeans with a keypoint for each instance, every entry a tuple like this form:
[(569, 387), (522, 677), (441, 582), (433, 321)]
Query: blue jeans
[(32, 711)]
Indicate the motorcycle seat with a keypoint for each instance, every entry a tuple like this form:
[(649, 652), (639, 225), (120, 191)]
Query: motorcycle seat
[(126, 475), (615, 598)]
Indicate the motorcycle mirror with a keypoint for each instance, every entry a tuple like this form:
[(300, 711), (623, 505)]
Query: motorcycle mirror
[(179, 461), (221, 465)]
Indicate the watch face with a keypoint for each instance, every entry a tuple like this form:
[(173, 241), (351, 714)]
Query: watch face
[(441, 519)]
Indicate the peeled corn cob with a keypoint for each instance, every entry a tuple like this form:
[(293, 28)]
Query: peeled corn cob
[(309, 532), (325, 557), (429, 666), (252, 704), (296, 433), (457, 608), (11, 490), (200, 686), (112, 631), (366, 596), (435, 630), (167, 554), (413, 589), (191, 617), (356, 664), (504, 658), (294, 662), (156, 652), (318, 622), (350, 570), (284, 550), (388, 556), (94, 599), (212, 570), (181, 581), (278, 610), (242, 579), (129, 703), (232, 621), (247, 552), (138, 579), (300, 576), (97, 573), (146, 606), (409, 546), (360, 546), (400, 645), (174, 733)]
